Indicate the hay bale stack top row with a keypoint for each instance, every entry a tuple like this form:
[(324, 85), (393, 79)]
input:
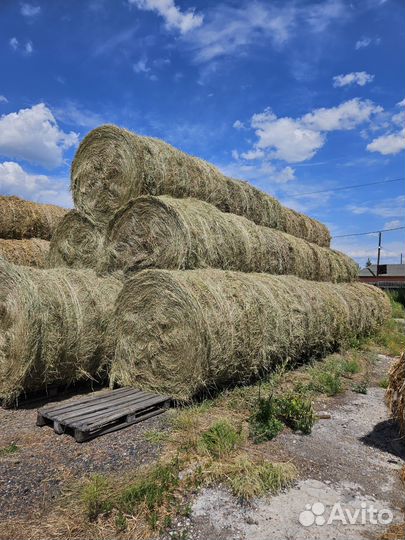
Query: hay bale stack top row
[(113, 166)]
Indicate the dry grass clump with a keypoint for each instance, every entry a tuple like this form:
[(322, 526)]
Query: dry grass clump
[(76, 243), (179, 332), (395, 394), (162, 232), (25, 219), (27, 252), (52, 324), (113, 165)]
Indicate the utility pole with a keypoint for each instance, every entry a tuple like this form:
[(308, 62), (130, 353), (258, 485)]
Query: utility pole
[(401, 258), (379, 252)]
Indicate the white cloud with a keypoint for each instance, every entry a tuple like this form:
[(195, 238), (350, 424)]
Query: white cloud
[(14, 43), (286, 138), (174, 18), (362, 43), (26, 49), (229, 30), (238, 124), (74, 115), (390, 143), (265, 174), (294, 140), (33, 135), (345, 116), (141, 66), (392, 224), (14, 180), (356, 77), (387, 208), (29, 10), (3, 99)]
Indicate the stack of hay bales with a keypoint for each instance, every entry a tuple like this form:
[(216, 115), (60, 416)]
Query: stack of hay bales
[(220, 281), (25, 230), (52, 325)]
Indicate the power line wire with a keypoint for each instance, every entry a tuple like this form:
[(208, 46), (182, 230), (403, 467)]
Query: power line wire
[(370, 232), (354, 186)]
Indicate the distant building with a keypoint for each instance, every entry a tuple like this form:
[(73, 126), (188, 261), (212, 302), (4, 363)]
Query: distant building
[(390, 276)]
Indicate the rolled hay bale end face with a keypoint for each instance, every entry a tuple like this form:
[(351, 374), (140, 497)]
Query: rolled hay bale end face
[(21, 219), (168, 355), (77, 243), (180, 332), (163, 232), (148, 233), (113, 165), (52, 325), (27, 252)]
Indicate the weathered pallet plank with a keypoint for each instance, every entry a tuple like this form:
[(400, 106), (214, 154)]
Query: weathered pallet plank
[(99, 405), (108, 411)]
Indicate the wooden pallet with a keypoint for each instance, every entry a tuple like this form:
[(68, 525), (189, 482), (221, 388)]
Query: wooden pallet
[(108, 411)]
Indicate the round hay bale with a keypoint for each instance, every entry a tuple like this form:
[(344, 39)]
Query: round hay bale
[(178, 234), (30, 252), (179, 332), (395, 394), (76, 243), (113, 165), (52, 325), (25, 219)]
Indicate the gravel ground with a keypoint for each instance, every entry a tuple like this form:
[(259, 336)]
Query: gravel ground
[(353, 457), (33, 475)]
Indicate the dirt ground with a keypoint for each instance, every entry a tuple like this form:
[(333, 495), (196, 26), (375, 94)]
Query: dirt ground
[(353, 457)]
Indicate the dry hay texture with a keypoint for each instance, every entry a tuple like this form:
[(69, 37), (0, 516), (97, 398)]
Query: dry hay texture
[(113, 165), (52, 325), (28, 252), (25, 219), (183, 234), (180, 332), (395, 395), (76, 243)]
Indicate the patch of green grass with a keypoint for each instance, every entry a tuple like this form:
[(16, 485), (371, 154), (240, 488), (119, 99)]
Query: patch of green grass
[(121, 523), (156, 437), (326, 382), (247, 478), (391, 338), (351, 365), (383, 383), (398, 310), (221, 439), (8, 450), (153, 491), (273, 413), (360, 388), (96, 496), (296, 412)]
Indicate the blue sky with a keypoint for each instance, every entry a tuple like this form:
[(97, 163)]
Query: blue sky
[(294, 96)]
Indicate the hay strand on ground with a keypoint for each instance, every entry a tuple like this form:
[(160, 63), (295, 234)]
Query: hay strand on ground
[(76, 243), (113, 165), (29, 252), (52, 325), (25, 219), (179, 234), (395, 395), (179, 332)]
